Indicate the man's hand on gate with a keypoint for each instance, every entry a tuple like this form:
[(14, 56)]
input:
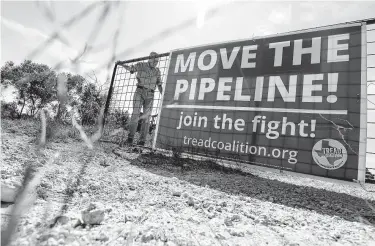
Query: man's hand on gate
[(127, 68)]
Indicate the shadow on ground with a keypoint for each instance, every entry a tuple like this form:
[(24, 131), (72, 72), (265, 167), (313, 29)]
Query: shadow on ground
[(231, 181)]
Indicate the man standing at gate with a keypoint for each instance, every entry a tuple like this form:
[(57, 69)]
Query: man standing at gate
[(148, 77)]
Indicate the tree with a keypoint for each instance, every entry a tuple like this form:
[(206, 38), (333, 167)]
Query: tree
[(37, 86), (9, 73), (91, 102), (74, 86), (35, 83)]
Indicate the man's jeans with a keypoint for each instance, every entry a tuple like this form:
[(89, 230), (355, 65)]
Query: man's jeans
[(145, 98)]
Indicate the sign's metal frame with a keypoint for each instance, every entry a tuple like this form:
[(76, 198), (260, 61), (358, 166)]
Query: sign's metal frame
[(363, 96), (161, 105), (363, 109)]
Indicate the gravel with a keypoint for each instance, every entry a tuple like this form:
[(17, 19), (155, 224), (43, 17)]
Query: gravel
[(148, 200)]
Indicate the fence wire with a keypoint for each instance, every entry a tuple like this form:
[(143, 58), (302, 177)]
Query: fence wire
[(119, 105)]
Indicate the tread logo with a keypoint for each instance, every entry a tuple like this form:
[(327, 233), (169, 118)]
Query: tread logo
[(329, 154)]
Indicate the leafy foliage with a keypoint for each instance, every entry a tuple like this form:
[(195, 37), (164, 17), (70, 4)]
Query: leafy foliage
[(9, 110), (74, 87), (34, 82), (91, 102), (119, 118), (37, 88)]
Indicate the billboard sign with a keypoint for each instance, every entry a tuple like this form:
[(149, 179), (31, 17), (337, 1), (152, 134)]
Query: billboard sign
[(291, 101)]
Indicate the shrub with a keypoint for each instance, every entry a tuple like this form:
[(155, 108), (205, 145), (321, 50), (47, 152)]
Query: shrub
[(117, 119), (89, 113), (121, 118), (9, 110)]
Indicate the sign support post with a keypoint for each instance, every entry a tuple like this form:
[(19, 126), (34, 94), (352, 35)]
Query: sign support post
[(363, 102)]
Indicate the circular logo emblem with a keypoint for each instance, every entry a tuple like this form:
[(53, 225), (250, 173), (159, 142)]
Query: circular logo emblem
[(329, 154)]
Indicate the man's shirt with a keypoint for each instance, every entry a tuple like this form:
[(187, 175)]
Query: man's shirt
[(147, 76)]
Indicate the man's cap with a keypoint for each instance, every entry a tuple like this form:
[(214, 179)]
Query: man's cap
[(153, 54)]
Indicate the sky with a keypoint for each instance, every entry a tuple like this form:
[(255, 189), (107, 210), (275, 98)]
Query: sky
[(160, 26), (26, 25)]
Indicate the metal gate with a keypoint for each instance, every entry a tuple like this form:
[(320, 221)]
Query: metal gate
[(119, 104)]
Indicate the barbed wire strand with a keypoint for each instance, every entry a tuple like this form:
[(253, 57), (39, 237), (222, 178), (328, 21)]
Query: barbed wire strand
[(67, 24), (87, 49)]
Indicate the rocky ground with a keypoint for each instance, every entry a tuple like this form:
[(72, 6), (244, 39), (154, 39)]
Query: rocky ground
[(150, 199)]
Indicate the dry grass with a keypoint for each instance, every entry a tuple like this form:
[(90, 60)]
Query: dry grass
[(145, 184)]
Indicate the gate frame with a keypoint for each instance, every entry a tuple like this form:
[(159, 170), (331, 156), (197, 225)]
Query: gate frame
[(110, 90)]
